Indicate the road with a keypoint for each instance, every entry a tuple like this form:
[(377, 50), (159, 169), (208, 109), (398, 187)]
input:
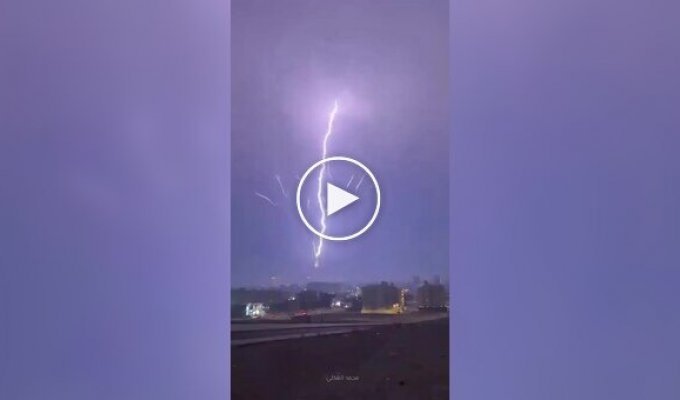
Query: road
[(254, 332), (389, 361)]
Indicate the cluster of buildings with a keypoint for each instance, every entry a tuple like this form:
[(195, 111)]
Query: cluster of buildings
[(388, 298), (379, 298)]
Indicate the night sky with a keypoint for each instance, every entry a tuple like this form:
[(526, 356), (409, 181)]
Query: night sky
[(387, 65)]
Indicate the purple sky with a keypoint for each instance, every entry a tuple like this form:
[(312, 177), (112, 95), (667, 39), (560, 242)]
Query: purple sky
[(387, 64)]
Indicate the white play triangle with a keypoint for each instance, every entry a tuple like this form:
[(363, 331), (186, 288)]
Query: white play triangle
[(337, 199)]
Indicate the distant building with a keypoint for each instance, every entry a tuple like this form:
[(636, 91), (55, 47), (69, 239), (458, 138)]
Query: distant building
[(312, 299), (355, 291), (341, 302), (382, 298), (255, 310), (272, 299), (431, 295)]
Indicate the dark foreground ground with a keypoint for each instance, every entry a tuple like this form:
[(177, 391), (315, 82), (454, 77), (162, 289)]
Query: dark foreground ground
[(409, 361)]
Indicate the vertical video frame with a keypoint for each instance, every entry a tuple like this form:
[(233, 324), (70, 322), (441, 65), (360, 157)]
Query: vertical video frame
[(340, 199)]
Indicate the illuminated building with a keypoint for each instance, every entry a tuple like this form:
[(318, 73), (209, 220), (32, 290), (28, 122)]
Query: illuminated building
[(255, 310), (382, 298)]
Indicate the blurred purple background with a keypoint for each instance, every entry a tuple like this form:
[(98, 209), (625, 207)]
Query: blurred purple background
[(114, 204), (565, 189)]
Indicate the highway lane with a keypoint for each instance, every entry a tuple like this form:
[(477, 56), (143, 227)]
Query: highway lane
[(262, 332)]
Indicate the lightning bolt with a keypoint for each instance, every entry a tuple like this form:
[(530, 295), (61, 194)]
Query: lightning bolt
[(360, 181), (270, 201), (329, 131), (283, 192), (350, 182)]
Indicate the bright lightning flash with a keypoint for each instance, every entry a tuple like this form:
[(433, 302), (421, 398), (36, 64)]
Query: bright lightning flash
[(329, 131)]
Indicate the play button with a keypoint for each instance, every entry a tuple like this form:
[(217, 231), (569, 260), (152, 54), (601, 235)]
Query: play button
[(321, 197), (337, 199)]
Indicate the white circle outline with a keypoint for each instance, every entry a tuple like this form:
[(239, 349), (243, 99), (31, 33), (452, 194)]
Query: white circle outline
[(351, 161)]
